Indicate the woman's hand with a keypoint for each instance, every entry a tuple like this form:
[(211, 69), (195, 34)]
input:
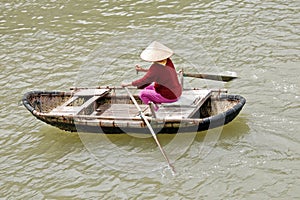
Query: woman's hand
[(138, 68)]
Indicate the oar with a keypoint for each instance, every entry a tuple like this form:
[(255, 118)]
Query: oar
[(216, 77), (150, 128)]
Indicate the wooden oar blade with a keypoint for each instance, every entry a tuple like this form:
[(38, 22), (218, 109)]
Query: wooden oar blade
[(225, 78)]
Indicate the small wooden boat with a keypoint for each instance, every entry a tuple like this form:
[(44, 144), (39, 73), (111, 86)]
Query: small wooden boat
[(110, 110)]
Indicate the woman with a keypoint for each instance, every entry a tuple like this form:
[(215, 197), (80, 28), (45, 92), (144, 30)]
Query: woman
[(160, 83)]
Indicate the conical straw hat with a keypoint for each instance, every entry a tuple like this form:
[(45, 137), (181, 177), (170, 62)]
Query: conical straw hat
[(156, 52)]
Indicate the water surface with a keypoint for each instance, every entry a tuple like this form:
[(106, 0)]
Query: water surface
[(55, 45)]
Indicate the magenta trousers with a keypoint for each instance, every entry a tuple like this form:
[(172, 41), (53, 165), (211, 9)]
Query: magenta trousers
[(149, 94)]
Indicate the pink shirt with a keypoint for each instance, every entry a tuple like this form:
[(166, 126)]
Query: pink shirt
[(165, 78)]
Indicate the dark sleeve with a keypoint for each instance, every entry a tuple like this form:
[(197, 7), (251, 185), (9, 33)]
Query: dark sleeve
[(149, 77)]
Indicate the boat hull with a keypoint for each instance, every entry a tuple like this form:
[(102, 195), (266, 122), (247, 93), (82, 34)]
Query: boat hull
[(136, 125)]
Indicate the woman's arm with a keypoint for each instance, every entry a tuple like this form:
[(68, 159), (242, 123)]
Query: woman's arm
[(147, 79)]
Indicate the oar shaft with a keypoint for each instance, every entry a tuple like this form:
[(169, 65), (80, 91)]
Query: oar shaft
[(150, 128), (216, 77)]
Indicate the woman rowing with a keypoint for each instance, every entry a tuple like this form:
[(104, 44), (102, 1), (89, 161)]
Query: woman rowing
[(160, 84)]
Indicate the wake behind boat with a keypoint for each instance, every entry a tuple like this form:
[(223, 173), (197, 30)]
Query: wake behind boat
[(110, 110)]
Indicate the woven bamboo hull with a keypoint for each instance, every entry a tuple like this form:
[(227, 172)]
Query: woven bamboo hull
[(40, 104)]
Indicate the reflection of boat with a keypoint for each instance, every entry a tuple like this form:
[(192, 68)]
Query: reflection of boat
[(110, 110)]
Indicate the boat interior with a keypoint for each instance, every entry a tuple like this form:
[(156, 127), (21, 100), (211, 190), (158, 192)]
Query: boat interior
[(105, 103)]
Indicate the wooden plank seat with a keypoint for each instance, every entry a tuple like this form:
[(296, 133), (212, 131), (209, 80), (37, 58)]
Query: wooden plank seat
[(92, 92), (188, 104), (92, 95), (120, 110)]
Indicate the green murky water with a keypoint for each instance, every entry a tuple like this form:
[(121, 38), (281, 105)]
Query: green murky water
[(55, 45)]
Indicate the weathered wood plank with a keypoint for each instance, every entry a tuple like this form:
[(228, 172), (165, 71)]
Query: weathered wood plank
[(86, 104), (186, 106), (120, 110), (91, 92), (174, 112), (199, 101), (94, 94)]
